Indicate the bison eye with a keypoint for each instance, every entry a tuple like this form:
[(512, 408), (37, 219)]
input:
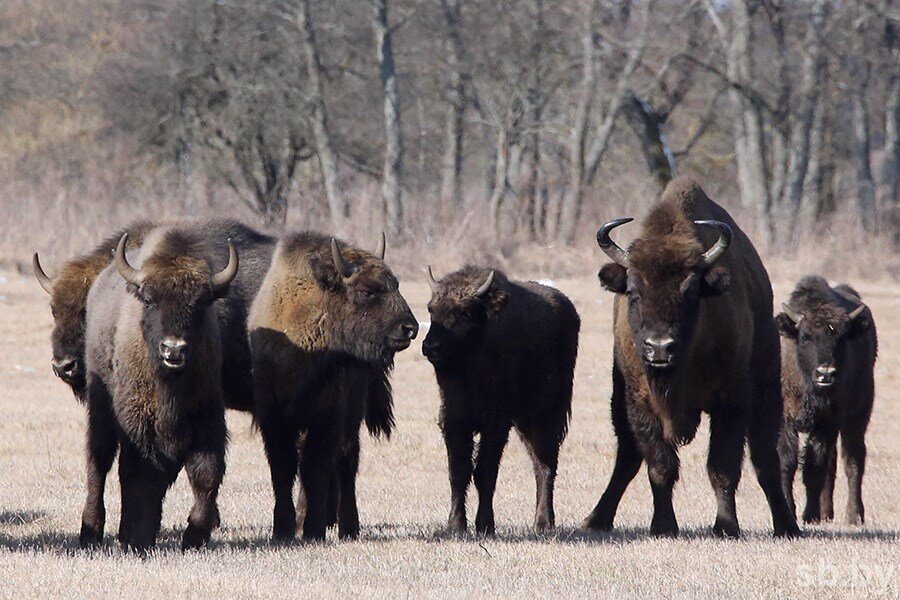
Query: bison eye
[(365, 294)]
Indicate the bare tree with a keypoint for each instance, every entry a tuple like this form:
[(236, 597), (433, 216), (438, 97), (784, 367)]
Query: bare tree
[(451, 177), (391, 190)]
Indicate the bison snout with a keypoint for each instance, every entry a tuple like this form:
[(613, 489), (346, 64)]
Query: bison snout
[(66, 369), (173, 352), (403, 335), (432, 349), (825, 375), (659, 352)]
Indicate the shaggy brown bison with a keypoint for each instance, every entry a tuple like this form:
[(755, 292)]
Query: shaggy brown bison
[(504, 356), (154, 355), (102, 442), (324, 329), (828, 352), (693, 333), (68, 297)]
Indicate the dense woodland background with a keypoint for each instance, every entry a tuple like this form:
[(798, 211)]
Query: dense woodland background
[(501, 130)]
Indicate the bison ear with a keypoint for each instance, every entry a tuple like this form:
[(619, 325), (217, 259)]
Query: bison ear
[(133, 290), (326, 275), (715, 281), (860, 325), (614, 277), (786, 326), (494, 302)]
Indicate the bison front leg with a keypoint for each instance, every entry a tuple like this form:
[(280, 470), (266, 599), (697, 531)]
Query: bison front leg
[(458, 440), (628, 461), (143, 487), (205, 469), (487, 465), (317, 467), (345, 489), (826, 500), (662, 470), (102, 445), (280, 441), (787, 451), (726, 453), (815, 469), (853, 448)]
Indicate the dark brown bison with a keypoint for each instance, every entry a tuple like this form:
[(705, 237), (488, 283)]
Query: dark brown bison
[(693, 333), (504, 356), (154, 354), (68, 297), (255, 250), (324, 329), (828, 352)]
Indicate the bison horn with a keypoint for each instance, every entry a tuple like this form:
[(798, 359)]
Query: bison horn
[(342, 267), (608, 246), (721, 245), (481, 291), (432, 282), (792, 314), (39, 274), (856, 312), (379, 251), (128, 273), (223, 278)]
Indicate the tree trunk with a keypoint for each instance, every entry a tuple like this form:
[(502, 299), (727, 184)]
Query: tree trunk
[(889, 170), (451, 176), (811, 202), (338, 208), (647, 125), (391, 190), (865, 187)]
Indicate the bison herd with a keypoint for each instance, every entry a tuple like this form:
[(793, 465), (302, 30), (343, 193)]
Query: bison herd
[(165, 325)]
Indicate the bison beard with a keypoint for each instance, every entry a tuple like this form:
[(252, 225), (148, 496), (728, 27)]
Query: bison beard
[(693, 333), (829, 346), (323, 331)]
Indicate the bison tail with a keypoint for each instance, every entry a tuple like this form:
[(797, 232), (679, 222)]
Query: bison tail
[(379, 413)]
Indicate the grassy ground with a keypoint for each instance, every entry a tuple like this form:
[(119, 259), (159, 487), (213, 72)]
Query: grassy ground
[(404, 497)]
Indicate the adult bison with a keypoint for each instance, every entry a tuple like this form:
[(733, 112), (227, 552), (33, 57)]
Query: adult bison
[(231, 309), (68, 298), (828, 352), (504, 356), (324, 329), (693, 333), (154, 355)]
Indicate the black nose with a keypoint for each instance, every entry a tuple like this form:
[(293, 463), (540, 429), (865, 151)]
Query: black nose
[(658, 351), (65, 368), (826, 374), (431, 347), (409, 330), (172, 350)]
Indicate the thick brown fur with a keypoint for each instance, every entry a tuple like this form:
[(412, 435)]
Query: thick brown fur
[(726, 363), (503, 359), (826, 336), (68, 302), (322, 349), (167, 419)]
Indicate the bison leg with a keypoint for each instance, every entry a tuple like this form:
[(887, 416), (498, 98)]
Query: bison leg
[(280, 441), (662, 470), (815, 468), (543, 441), (826, 500), (763, 434), (345, 489), (728, 430), (205, 469), (787, 452), (317, 466), (487, 464), (853, 449), (143, 487), (458, 440), (102, 445), (628, 461)]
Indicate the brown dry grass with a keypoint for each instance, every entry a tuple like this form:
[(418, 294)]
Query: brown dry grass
[(404, 499)]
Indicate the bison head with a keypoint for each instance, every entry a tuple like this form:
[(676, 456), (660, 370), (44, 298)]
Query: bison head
[(820, 327), (68, 295), (367, 316), (461, 305), (664, 274), (176, 290)]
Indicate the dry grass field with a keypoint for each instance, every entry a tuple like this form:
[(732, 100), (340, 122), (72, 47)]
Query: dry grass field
[(404, 498)]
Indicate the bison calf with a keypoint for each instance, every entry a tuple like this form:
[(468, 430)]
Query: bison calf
[(154, 362), (504, 356), (828, 352)]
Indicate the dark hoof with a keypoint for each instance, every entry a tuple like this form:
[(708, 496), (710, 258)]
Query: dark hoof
[(727, 529), (811, 519), (597, 523), (664, 529), (217, 519), (350, 533), (543, 526), (790, 532), (194, 538), (457, 526), (485, 527), (90, 538)]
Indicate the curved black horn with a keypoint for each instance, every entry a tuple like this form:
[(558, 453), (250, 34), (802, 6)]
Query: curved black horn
[(343, 269), (483, 289), (721, 245), (432, 282), (379, 251), (39, 274), (128, 273), (608, 246), (223, 278), (792, 314)]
